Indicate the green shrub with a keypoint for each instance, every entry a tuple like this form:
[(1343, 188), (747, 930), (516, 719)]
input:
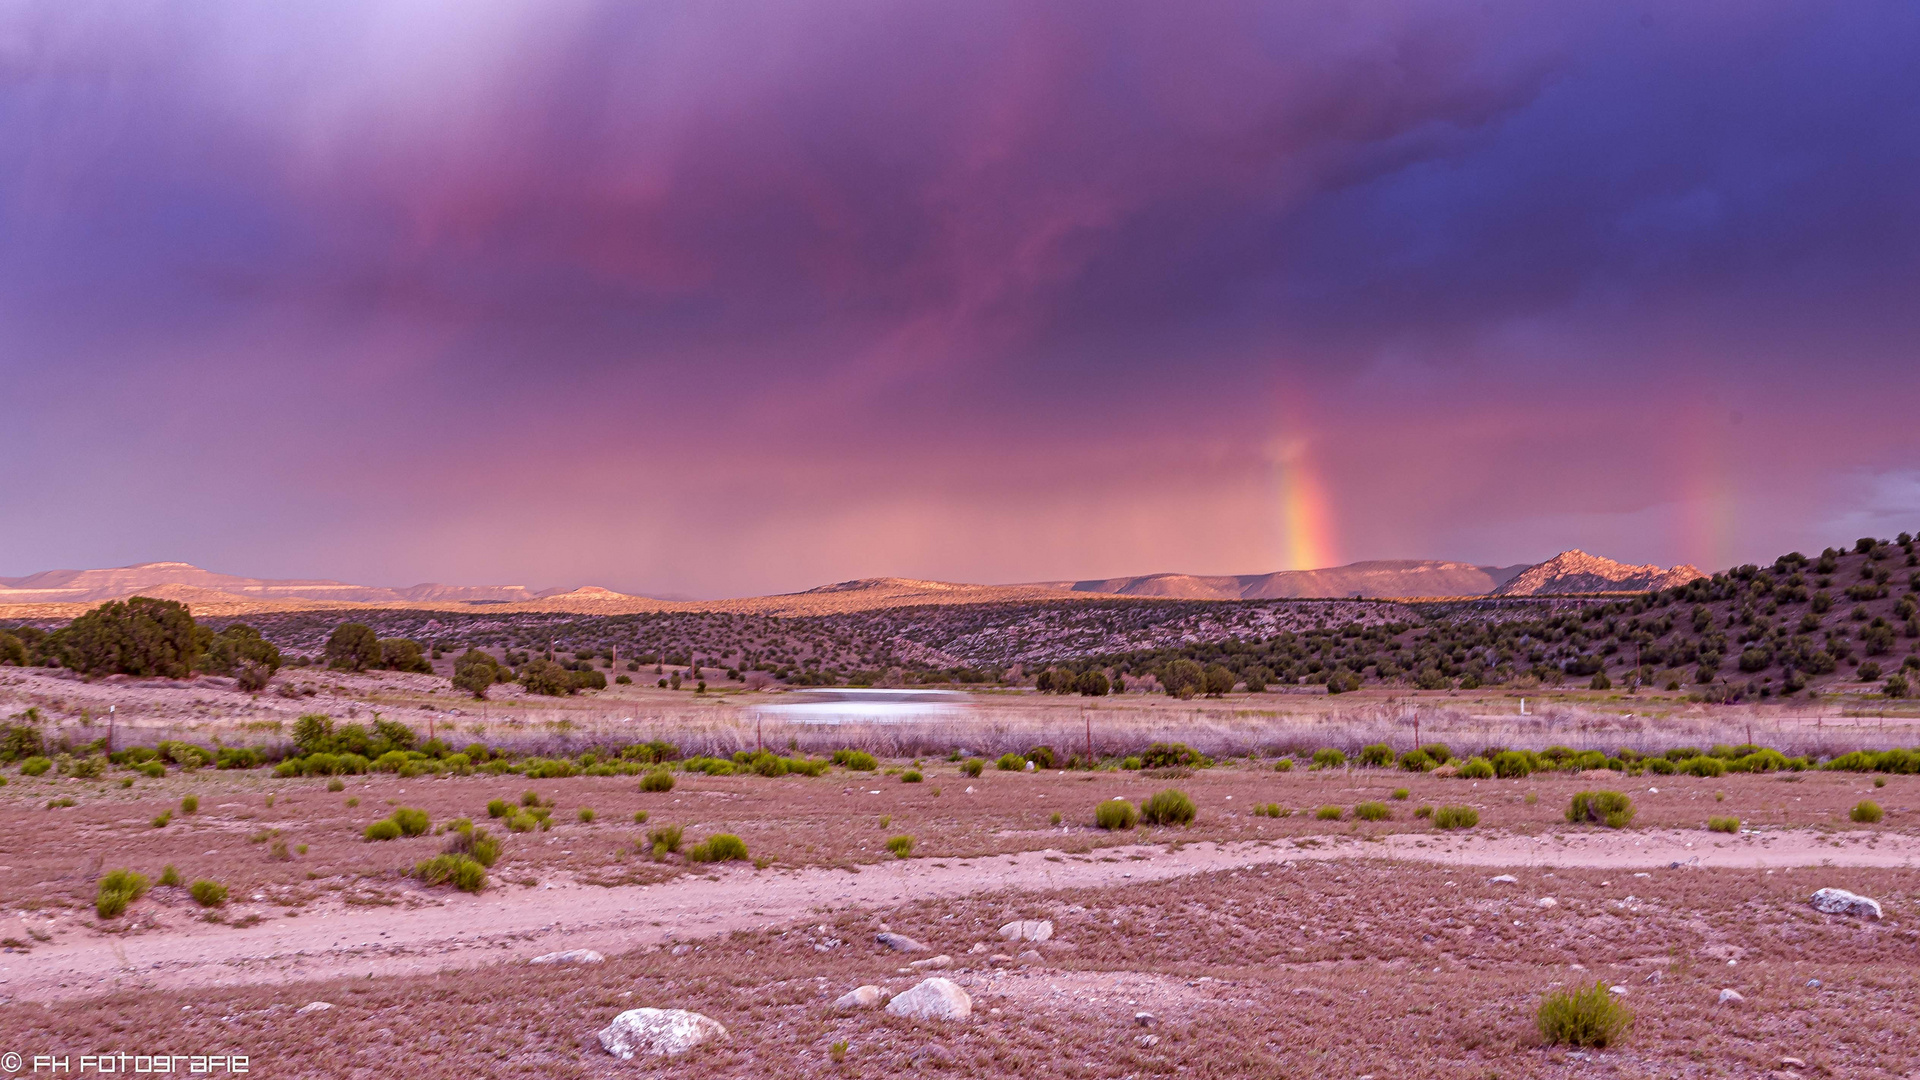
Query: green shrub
[(1704, 766), (657, 780), (1610, 808), (911, 776), (1438, 752), (1115, 814), (334, 785), (856, 760), (639, 817), (1376, 755), (498, 808), (1477, 768), (1169, 807), (1401, 794), (1285, 764), (208, 893), (720, 847), (152, 770), (1162, 755), (529, 797), (1456, 817), (36, 766), (1328, 758), (1512, 764), (190, 804), (973, 767), (412, 822), (665, 839), (1372, 811), (1659, 766), (522, 822), (1590, 1017), (1723, 824), (1131, 763), (1010, 762), (1423, 812), (161, 819), (384, 829), (461, 872), (586, 815), (901, 846), (118, 888), (1867, 812), (170, 876), (1041, 756), (1054, 818), (1416, 761), (1330, 813)]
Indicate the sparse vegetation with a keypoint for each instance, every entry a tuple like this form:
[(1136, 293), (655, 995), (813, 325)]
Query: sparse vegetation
[(1372, 811), (208, 893), (1330, 813), (901, 846), (1723, 824), (721, 847), (1591, 1017), (117, 889), (1610, 808), (1115, 814), (1169, 807), (1456, 817), (1866, 812)]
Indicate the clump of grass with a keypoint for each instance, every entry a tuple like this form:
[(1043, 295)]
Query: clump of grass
[(1423, 812), (336, 784), (384, 829), (529, 797), (657, 780), (522, 822), (838, 1050), (664, 840), (1478, 768), (161, 819), (1054, 818), (459, 871), (1272, 810), (412, 822), (118, 888), (1531, 798), (1330, 813), (639, 817), (208, 893), (720, 847), (498, 808), (1169, 807), (1610, 808), (1115, 814), (1285, 764), (1879, 781), (973, 766), (1867, 812), (911, 776), (586, 815), (170, 876), (475, 844), (1328, 758), (1401, 794), (190, 804), (1723, 824), (1590, 1017), (856, 760), (63, 800), (901, 846), (1010, 762), (277, 850), (1372, 811), (1456, 817), (353, 801)]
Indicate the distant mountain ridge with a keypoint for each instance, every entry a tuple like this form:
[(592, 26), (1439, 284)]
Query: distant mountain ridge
[(118, 583), (1372, 579), (1578, 572)]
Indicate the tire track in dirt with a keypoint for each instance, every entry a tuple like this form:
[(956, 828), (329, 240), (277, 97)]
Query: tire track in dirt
[(508, 923)]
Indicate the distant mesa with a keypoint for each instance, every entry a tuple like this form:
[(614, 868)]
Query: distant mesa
[(1372, 579), (1578, 572)]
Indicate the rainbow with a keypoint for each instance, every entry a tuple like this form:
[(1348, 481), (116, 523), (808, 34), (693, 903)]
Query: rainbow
[(1305, 524)]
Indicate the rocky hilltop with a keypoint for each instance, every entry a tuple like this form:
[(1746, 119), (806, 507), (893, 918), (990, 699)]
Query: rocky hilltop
[(1578, 572)]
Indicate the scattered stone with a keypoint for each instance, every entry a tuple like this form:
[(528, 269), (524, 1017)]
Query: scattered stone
[(899, 942), (659, 1032), (1842, 902), (860, 997), (1145, 1019), (1621, 990), (1146, 1040), (933, 999), (1029, 957), (1028, 930), (1655, 977), (978, 948), (1815, 984), (1503, 879), (682, 950), (999, 959), (1731, 997), (313, 1007), (1546, 901), (941, 961), (571, 956), (1792, 1063), (935, 1055)]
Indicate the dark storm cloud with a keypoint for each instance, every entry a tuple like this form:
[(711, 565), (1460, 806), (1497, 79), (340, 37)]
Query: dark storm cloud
[(731, 296)]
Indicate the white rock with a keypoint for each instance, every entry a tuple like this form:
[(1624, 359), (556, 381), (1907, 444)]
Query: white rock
[(1503, 879), (1728, 997), (933, 999), (313, 1007), (899, 942), (659, 1032), (571, 956), (1546, 901), (1842, 902), (860, 997), (1621, 990), (941, 961), (1028, 930)]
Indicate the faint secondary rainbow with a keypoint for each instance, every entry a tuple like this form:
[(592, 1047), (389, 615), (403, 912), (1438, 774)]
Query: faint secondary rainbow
[(1709, 508)]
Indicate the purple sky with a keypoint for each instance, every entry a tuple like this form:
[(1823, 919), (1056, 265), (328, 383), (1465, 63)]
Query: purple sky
[(721, 298)]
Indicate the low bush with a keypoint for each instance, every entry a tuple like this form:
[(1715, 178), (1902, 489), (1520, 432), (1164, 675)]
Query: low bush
[(36, 766), (1376, 755), (529, 797), (1328, 758), (475, 844), (384, 829), (972, 766), (911, 776), (336, 785), (1416, 761), (1610, 808), (1401, 794), (461, 872), (208, 893), (639, 817), (1867, 812), (1330, 813), (1041, 756), (412, 822), (1285, 764), (118, 888), (1478, 768), (170, 876), (1723, 824), (586, 815), (1115, 814), (901, 846), (1010, 762), (1169, 807), (499, 808), (1704, 766), (1456, 817), (657, 780), (1162, 755), (664, 840), (190, 804), (1591, 1017), (1423, 812), (161, 819), (1512, 764), (720, 847), (1372, 811), (856, 760)]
